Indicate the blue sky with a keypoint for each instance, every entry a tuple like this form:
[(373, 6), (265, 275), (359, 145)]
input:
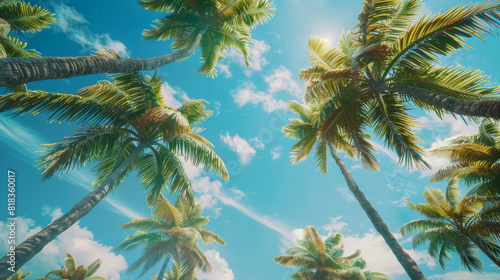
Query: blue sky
[(266, 202)]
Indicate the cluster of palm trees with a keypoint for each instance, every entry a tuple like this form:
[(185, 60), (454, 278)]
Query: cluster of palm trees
[(381, 69)]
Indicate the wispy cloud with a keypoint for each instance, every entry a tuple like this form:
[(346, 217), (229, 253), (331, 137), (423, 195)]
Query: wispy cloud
[(24, 142), (75, 26), (247, 93), (240, 146), (212, 189)]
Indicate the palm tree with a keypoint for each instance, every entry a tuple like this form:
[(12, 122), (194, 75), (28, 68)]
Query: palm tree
[(474, 159), (20, 17), (309, 135), (19, 275), (17, 16), (178, 272), (126, 126), (322, 260), (174, 231), (71, 271), (388, 63), (456, 225), (212, 25)]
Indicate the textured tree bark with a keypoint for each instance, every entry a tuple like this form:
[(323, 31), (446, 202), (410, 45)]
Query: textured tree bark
[(21, 70), (163, 268), (487, 108), (404, 259), (34, 244)]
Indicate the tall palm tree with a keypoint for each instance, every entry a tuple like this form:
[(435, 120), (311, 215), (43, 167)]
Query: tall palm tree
[(126, 126), (456, 224), (71, 271), (322, 260), (388, 63), (174, 231), (212, 25), (309, 135), (20, 17), (474, 159), (19, 275)]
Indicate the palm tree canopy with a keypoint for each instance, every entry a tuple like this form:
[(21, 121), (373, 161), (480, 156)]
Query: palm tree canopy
[(474, 159), (456, 224), (387, 64), (71, 271), (178, 272), (311, 138), (117, 117), (322, 259), (175, 229), (20, 17), (19, 275), (224, 24)]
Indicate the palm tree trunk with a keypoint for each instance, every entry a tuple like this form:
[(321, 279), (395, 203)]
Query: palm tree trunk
[(21, 70), (476, 108), (486, 252), (404, 259), (34, 244), (163, 268)]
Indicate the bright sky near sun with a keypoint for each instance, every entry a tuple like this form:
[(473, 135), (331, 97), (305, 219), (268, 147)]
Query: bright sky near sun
[(267, 201)]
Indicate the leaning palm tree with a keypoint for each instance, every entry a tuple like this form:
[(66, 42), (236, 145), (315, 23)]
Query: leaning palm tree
[(474, 159), (19, 275), (306, 131), (126, 126), (173, 232), (212, 25), (20, 17), (325, 260), (389, 63), (458, 225), (71, 271)]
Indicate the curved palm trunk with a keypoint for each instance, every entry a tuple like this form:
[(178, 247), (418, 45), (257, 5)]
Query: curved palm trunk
[(476, 108), (163, 268), (34, 244), (404, 259), (21, 70)]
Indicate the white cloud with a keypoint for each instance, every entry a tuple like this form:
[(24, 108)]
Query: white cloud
[(224, 69), (220, 268), (276, 152), (240, 146), (346, 194), (172, 96), (282, 80), (335, 225), (465, 275), (259, 48), (257, 59), (75, 26), (204, 185), (210, 203), (76, 240), (247, 93), (257, 143)]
